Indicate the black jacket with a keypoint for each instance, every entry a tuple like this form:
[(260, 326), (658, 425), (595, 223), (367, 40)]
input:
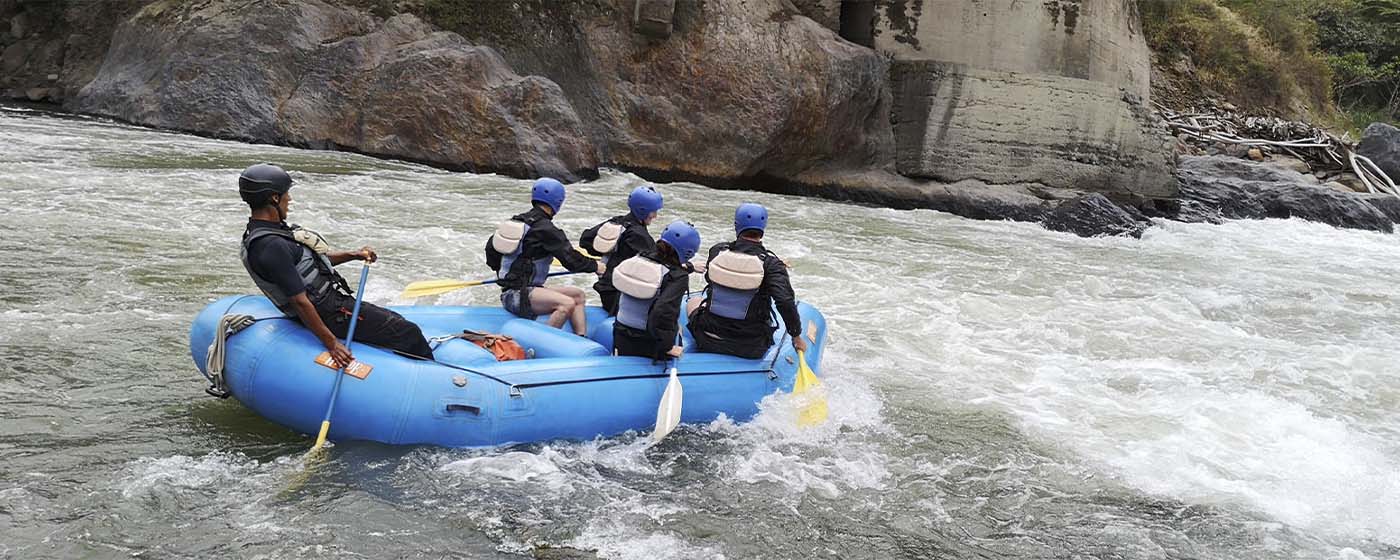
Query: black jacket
[(635, 240), (543, 241), (775, 290), (663, 319)]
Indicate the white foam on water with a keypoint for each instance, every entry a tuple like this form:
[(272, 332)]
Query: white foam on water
[(631, 533), (149, 476), (515, 466), (1247, 367), (609, 481), (829, 458), (1215, 381)]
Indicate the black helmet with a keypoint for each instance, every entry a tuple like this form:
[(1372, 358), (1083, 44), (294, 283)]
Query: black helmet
[(264, 178)]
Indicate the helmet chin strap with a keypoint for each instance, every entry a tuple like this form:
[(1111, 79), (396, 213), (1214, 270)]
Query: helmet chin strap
[(281, 215)]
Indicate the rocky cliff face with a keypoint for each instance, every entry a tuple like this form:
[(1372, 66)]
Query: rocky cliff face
[(738, 93), (749, 93), (313, 74), (49, 50)]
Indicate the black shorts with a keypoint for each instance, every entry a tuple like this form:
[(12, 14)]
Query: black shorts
[(517, 302)]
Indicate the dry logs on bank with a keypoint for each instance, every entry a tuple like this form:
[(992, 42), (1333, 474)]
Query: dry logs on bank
[(1318, 148)]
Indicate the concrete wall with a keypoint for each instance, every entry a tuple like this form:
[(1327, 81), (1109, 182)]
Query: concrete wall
[(1018, 91), (1098, 40), (954, 122)]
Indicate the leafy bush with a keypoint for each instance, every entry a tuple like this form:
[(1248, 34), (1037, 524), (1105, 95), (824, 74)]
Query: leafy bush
[(1263, 59), (1287, 56)]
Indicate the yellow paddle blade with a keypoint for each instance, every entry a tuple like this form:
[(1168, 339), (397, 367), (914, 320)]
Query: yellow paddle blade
[(321, 437), (809, 393), (435, 287)]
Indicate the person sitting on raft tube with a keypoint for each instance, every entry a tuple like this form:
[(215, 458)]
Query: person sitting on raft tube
[(744, 282), (295, 269), (621, 238), (651, 287), (521, 251)]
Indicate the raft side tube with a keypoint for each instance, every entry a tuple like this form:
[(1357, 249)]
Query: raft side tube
[(271, 369)]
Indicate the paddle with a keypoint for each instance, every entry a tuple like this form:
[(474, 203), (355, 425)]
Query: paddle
[(581, 252), (436, 287), (668, 411), (340, 373), (813, 409)]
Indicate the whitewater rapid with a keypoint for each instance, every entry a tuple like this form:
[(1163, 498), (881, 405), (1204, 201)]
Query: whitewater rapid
[(997, 390)]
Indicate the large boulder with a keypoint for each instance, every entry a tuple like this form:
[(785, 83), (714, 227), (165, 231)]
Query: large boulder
[(49, 49), (310, 73), (1093, 215), (746, 94), (1388, 204), (1219, 187), (1381, 143)]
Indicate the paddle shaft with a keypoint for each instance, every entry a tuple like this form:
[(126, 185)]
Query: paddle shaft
[(340, 373), (550, 275), (444, 286)]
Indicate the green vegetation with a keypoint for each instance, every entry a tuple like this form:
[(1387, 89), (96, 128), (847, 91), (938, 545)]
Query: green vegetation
[(1337, 61)]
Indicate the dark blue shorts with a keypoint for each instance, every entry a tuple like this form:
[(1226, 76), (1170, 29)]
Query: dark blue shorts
[(517, 302)]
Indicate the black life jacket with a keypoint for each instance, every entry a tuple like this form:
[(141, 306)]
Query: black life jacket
[(314, 268)]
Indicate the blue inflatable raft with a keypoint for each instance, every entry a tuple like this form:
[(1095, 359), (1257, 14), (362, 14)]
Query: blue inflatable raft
[(572, 387)]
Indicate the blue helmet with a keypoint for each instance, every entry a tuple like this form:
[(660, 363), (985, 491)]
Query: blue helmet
[(548, 191), (750, 216), (643, 201), (682, 237)]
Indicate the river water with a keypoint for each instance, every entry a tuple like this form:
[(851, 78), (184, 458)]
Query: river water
[(996, 390)]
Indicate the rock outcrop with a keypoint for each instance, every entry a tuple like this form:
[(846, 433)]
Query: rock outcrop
[(749, 94), (309, 73), (745, 94), (1220, 187), (1381, 143), (50, 49), (1093, 215)]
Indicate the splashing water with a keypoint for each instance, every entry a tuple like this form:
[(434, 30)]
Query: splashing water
[(996, 390)]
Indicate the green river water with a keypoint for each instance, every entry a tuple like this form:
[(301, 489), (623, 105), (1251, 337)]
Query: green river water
[(997, 390)]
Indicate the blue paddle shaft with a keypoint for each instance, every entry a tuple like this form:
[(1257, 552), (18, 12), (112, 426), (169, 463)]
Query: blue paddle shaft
[(349, 337)]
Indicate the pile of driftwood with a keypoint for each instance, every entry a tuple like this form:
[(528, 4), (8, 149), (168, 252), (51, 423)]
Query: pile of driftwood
[(1320, 149)]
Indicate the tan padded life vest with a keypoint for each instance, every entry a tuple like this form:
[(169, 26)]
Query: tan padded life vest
[(738, 271)]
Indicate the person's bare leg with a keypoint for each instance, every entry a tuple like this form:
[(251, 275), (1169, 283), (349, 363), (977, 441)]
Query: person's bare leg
[(579, 316), (557, 305), (692, 304)]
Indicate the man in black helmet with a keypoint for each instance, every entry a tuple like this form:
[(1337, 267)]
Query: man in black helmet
[(295, 269)]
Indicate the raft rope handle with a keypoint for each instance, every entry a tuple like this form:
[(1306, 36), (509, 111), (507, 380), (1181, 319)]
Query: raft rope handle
[(437, 341), (229, 325), (514, 389)]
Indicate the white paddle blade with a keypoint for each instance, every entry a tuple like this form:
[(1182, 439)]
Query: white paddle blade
[(668, 412)]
